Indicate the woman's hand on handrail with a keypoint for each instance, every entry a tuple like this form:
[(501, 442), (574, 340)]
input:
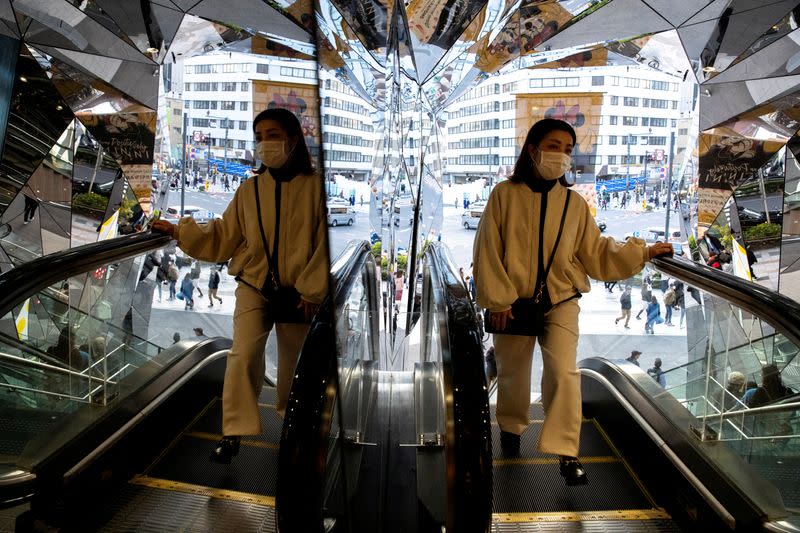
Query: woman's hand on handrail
[(162, 226), (660, 249)]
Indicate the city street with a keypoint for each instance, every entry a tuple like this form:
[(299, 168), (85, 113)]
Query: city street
[(599, 333)]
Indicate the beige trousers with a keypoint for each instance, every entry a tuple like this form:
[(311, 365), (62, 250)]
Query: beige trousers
[(561, 381), (244, 373)]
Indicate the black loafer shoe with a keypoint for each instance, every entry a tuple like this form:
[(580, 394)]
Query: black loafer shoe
[(226, 449), (509, 443), (572, 471)]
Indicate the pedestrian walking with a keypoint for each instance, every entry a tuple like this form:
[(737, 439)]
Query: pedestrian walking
[(657, 373), (647, 292), (187, 291), (634, 357), (653, 315), (625, 307), (213, 285), (670, 298)]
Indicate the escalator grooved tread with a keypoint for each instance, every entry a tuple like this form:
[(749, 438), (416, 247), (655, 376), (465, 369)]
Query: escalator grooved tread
[(269, 395), (271, 423), (139, 508), (531, 483), (254, 470), (592, 442)]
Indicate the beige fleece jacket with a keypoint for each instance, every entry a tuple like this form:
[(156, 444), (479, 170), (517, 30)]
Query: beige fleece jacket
[(507, 240), (302, 246)]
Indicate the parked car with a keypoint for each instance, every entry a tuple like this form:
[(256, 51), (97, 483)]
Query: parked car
[(471, 218), (200, 215), (341, 215), (749, 218)]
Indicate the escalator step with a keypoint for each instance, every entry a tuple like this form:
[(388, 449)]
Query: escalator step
[(269, 395), (592, 442), (139, 508), (254, 470), (539, 488), (271, 423)]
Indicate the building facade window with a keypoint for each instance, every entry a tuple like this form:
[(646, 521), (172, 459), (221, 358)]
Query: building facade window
[(261, 68), (613, 120), (630, 101), (612, 139), (228, 86), (227, 105), (612, 160), (243, 106), (615, 100), (630, 121), (243, 125), (245, 86), (229, 67), (598, 81)]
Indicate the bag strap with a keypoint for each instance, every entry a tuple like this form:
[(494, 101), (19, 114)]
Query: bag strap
[(275, 282), (543, 278)]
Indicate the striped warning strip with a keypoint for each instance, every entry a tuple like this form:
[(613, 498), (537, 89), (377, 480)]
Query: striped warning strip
[(585, 516), (551, 460), (201, 490)]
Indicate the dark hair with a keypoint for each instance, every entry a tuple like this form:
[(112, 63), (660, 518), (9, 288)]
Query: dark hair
[(299, 160), (537, 132), (771, 381)]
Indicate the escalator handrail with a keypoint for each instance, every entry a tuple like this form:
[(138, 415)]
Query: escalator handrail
[(778, 310), (734, 493), (468, 429), (28, 279)]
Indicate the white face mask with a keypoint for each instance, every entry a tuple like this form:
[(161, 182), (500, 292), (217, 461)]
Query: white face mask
[(552, 165), (272, 153)]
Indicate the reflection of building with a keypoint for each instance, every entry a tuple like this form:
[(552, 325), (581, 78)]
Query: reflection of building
[(227, 90), (348, 134), (640, 107)]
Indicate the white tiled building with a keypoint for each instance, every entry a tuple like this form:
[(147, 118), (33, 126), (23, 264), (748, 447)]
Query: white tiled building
[(219, 91), (640, 109)]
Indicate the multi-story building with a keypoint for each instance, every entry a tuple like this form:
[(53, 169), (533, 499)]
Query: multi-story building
[(223, 92), (348, 132), (636, 113)]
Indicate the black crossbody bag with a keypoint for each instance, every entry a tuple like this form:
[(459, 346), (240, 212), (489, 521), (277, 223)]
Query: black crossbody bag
[(283, 303), (529, 312)]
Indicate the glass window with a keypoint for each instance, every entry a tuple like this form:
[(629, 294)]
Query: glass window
[(187, 86), (548, 82), (227, 105), (615, 100), (612, 139), (242, 124), (243, 106), (573, 82), (630, 101), (612, 160), (630, 121), (535, 84), (228, 86), (245, 86), (229, 67), (242, 145), (613, 120), (673, 122), (598, 80), (262, 68)]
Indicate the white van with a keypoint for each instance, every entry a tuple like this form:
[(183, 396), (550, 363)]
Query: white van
[(471, 218), (341, 215)]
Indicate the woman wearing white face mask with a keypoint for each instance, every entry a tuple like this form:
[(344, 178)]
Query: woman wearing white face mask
[(274, 232), (532, 241)]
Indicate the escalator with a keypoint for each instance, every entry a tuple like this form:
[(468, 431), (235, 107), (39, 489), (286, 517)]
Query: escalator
[(120, 440), (672, 458), (384, 436)]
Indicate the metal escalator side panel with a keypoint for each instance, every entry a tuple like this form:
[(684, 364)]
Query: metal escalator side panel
[(468, 423)]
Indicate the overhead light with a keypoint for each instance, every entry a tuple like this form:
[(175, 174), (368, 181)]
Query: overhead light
[(59, 107), (23, 79), (709, 69), (152, 51)]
